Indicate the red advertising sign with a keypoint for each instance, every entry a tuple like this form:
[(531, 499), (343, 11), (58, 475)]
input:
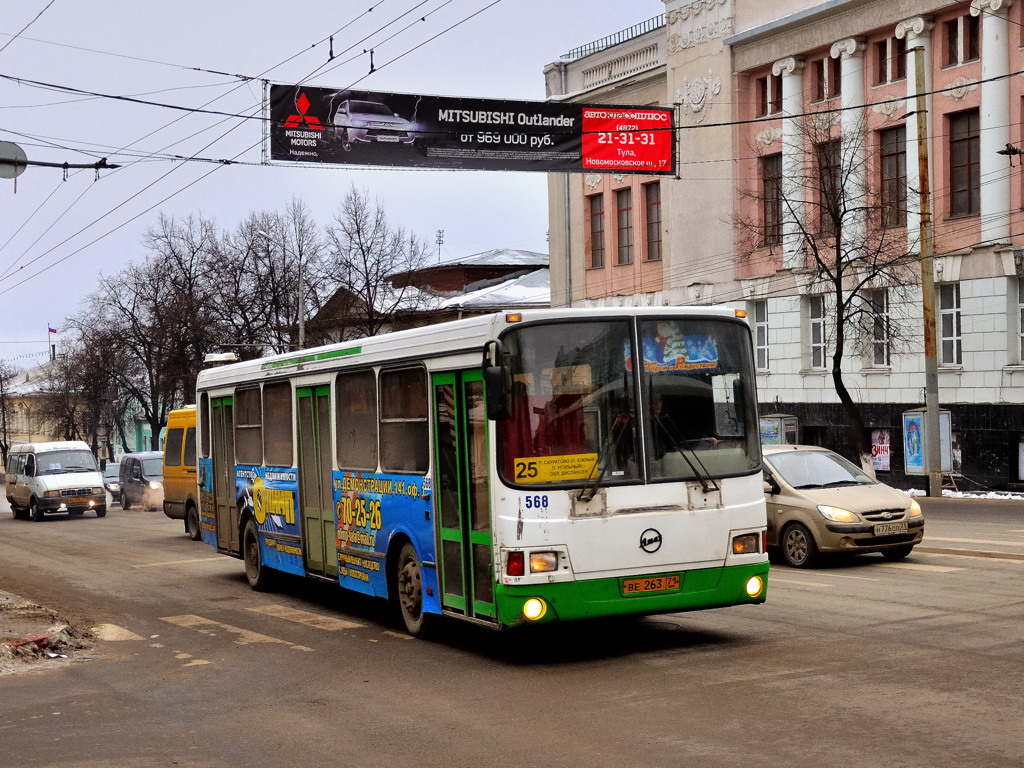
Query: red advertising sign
[(627, 140)]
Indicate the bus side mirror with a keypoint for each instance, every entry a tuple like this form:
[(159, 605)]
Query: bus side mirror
[(497, 381)]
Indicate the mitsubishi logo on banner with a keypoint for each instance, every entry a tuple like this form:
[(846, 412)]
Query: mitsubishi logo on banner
[(296, 121)]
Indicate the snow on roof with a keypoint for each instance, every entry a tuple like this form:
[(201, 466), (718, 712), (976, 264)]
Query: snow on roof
[(530, 290), (497, 257)]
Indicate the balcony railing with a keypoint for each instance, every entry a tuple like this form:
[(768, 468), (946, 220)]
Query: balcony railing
[(619, 37)]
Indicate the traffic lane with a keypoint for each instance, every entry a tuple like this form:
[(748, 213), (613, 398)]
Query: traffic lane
[(991, 528), (738, 686)]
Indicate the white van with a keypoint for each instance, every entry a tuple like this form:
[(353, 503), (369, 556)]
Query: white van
[(54, 477)]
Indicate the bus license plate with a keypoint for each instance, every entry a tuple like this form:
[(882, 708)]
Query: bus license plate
[(650, 584), (888, 529), (78, 500)]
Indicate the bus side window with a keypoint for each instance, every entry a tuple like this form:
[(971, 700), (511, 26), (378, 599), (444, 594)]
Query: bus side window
[(404, 442)]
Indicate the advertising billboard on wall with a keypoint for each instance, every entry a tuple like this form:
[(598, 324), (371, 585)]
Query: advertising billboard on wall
[(321, 125)]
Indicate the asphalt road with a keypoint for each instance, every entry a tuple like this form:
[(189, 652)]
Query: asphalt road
[(861, 663)]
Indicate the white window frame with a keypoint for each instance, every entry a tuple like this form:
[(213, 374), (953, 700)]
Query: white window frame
[(816, 336), (950, 325), (881, 328), (759, 315)]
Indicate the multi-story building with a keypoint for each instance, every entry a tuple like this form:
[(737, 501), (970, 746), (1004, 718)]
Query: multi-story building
[(799, 144)]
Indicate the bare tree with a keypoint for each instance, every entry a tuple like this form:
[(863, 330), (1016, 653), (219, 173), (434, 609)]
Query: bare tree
[(818, 214), (7, 376), (366, 250)]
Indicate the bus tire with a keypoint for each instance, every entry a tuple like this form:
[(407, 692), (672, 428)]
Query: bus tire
[(256, 573), (409, 590), (192, 527)]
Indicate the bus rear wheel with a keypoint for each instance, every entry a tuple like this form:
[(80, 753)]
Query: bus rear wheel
[(409, 584), (256, 573)]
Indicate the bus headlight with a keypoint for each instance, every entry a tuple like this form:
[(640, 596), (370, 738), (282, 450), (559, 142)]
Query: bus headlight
[(755, 586), (543, 561), (748, 543), (534, 609)]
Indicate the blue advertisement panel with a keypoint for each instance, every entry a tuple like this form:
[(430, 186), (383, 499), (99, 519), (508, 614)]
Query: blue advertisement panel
[(913, 442), (272, 494), (370, 509), (207, 503)]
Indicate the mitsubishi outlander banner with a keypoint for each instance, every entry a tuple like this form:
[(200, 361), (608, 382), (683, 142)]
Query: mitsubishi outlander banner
[(320, 125)]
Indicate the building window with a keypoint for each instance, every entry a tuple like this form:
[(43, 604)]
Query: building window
[(816, 330), (964, 163), (827, 78), (624, 219), (769, 95), (878, 302), (949, 324), (830, 189), (760, 315), (652, 214), (1020, 320), (893, 145), (961, 40), (771, 214), (595, 211), (890, 60)]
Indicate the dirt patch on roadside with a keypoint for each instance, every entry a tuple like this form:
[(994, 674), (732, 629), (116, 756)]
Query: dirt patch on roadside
[(30, 634)]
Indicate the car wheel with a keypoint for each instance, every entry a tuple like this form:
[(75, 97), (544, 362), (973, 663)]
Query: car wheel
[(125, 502), (346, 141), (192, 526), (256, 573), (409, 589), (36, 512), (100, 512), (798, 547), (897, 553)]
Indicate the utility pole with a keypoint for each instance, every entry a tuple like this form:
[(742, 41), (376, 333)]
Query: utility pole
[(440, 242), (931, 439)]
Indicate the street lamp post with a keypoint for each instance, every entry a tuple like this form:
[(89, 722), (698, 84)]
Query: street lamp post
[(300, 308)]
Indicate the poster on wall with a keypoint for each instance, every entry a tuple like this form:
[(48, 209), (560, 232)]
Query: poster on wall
[(880, 452), (914, 441), (355, 127)]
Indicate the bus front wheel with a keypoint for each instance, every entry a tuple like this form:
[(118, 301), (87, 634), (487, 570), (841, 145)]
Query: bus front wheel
[(409, 583), (256, 573)]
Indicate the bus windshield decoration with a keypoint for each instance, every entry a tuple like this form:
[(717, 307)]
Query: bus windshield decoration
[(397, 474)]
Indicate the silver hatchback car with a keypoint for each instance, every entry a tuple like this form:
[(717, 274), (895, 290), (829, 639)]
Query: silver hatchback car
[(818, 502)]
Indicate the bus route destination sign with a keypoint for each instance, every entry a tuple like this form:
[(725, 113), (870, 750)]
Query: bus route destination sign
[(320, 125)]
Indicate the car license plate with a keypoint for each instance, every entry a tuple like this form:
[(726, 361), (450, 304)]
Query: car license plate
[(78, 500), (387, 138), (650, 584), (888, 529)]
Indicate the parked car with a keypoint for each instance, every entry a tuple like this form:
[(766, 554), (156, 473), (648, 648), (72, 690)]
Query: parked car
[(142, 480), (181, 492), (58, 476), (818, 502), (111, 479)]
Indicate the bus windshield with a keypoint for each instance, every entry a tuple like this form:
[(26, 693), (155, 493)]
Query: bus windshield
[(580, 411)]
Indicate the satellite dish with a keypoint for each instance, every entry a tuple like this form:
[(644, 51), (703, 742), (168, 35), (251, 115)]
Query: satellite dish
[(13, 160)]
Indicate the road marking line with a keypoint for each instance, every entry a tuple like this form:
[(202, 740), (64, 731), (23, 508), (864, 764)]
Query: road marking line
[(242, 636), (112, 632), (777, 580), (983, 553), (178, 562), (920, 567), (330, 623), (979, 541)]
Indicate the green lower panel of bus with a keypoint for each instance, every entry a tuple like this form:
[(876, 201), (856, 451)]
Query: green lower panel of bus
[(593, 598)]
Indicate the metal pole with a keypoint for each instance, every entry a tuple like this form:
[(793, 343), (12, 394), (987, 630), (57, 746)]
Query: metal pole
[(932, 454), (302, 302)]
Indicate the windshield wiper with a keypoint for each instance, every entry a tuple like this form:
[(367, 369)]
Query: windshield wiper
[(604, 457), (707, 483)]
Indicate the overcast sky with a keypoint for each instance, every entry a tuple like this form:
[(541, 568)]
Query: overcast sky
[(57, 236)]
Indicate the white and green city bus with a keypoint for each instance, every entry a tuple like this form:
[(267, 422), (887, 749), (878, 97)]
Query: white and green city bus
[(517, 468)]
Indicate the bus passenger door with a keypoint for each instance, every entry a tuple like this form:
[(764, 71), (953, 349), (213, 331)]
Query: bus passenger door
[(316, 505), (466, 572), (222, 436)]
